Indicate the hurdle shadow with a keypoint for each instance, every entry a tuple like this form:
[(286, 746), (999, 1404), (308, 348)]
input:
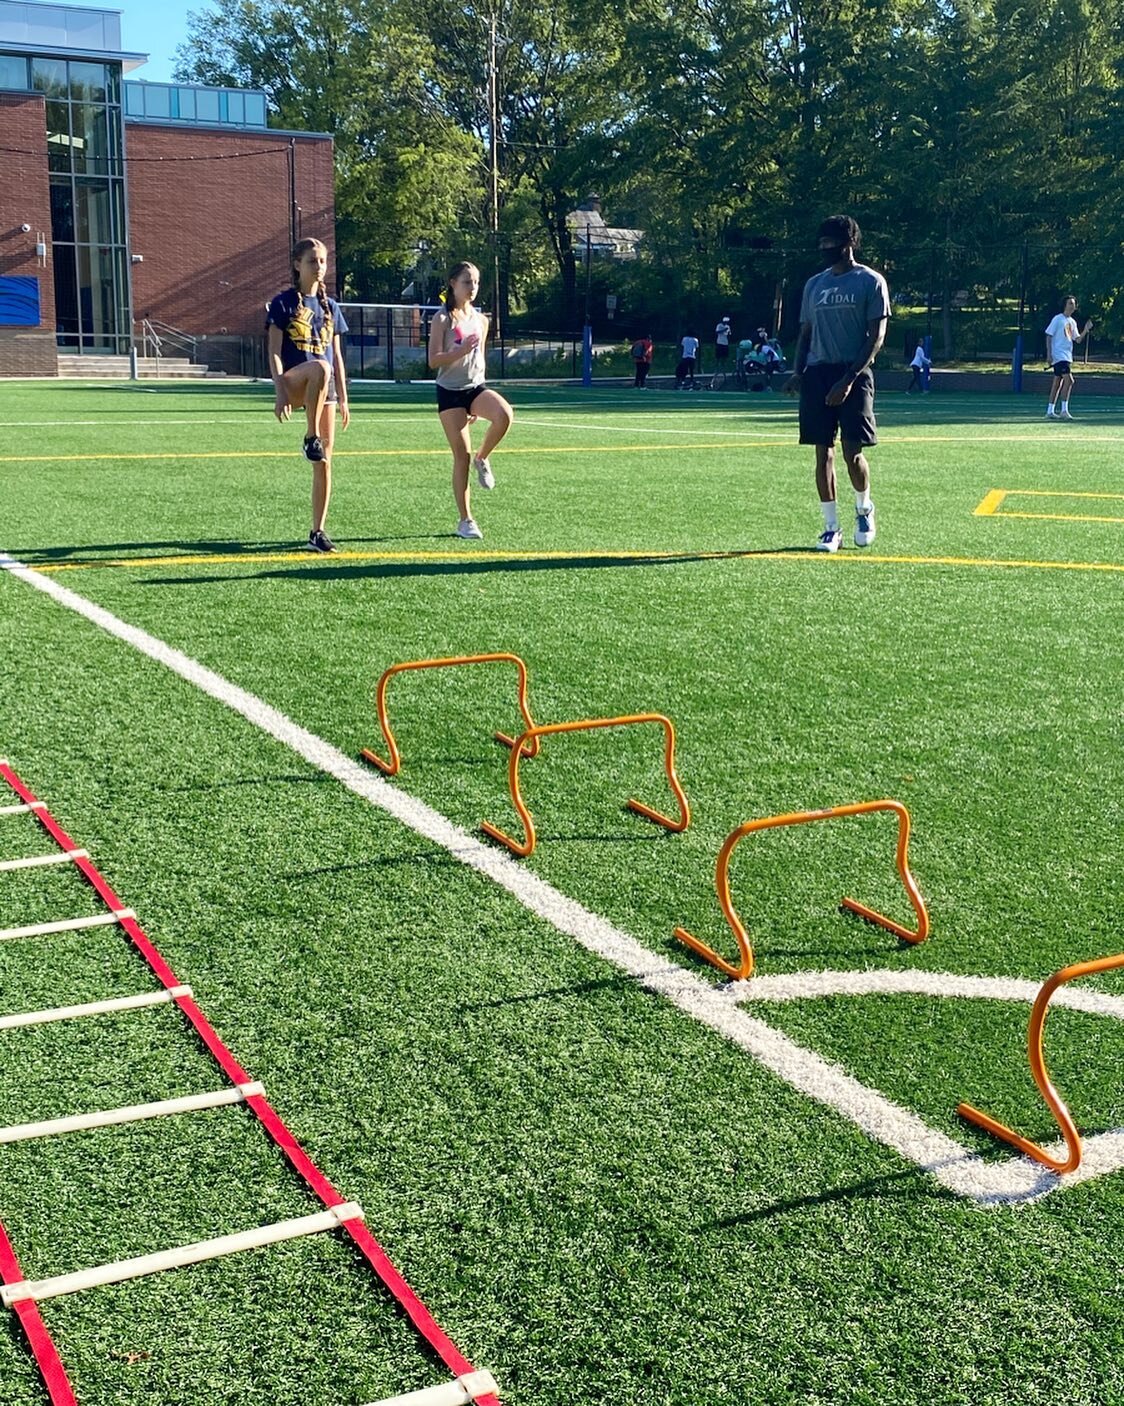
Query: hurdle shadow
[(913, 1182), (467, 566), (207, 546)]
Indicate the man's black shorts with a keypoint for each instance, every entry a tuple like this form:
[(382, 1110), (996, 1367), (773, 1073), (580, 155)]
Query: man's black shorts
[(1063, 368), (457, 400), (854, 419), (721, 351)]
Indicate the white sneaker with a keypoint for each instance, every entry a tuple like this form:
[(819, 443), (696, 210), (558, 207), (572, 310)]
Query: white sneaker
[(864, 527), (1051, 416), (1065, 415), (484, 474), (829, 540), (467, 528)]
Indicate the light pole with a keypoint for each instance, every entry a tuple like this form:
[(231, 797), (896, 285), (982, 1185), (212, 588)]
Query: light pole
[(494, 144)]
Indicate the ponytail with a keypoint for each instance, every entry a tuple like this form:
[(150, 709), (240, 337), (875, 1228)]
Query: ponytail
[(448, 297)]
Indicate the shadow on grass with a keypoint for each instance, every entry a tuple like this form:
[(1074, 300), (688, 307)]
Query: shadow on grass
[(319, 779), (468, 566), (44, 556), (581, 988), (913, 1180), (431, 859)]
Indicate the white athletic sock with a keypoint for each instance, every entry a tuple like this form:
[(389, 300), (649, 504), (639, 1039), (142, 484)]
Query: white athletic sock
[(862, 500), (830, 516), (1063, 406), (1050, 408)]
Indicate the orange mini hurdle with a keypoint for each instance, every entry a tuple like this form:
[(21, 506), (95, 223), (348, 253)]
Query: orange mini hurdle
[(744, 967), (1035, 1034), (527, 745), (394, 765)]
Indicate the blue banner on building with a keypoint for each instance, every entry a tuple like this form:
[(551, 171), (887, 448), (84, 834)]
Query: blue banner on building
[(19, 302)]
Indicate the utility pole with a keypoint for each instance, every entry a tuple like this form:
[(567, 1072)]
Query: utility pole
[(493, 128)]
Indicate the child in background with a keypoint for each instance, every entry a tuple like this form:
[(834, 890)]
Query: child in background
[(457, 336), (306, 362)]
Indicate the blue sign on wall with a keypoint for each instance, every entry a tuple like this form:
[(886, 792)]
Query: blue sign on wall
[(19, 302)]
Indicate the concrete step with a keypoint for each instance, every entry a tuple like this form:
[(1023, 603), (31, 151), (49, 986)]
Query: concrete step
[(73, 366)]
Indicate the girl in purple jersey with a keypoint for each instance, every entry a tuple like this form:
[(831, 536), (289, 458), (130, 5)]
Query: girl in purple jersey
[(457, 337), (306, 363)]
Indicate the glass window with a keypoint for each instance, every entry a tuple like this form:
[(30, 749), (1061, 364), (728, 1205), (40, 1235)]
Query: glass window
[(93, 138), (157, 100), (62, 208), (49, 76), (58, 136), (66, 291), (97, 297), (206, 105), (255, 109), (13, 71), (186, 98), (235, 108), (87, 82), (93, 213), (134, 100), (113, 83)]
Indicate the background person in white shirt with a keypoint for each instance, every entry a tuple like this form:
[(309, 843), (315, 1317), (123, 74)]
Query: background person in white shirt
[(1061, 335), (688, 359), (919, 364), (722, 341)]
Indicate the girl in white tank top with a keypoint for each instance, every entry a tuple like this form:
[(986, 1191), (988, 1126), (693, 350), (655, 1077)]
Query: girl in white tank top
[(457, 338)]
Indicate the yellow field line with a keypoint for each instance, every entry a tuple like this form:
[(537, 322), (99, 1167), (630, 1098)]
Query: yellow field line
[(389, 453), (440, 453), (1062, 493), (990, 503), (1060, 517), (255, 559)]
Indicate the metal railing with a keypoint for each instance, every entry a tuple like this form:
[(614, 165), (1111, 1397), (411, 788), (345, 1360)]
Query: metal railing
[(158, 337)]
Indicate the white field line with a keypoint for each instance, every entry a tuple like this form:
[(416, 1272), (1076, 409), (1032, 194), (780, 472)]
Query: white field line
[(787, 423), (989, 1183), (804, 986), (114, 424)]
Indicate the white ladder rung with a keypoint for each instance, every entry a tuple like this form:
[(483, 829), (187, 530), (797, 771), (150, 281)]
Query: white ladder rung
[(110, 1117), (99, 920), (39, 1289), (119, 1003), (463, 1391), (22, 809), (62, 856)]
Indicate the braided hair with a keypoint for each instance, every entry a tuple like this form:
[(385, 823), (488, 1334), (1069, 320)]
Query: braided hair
[(300, 249)]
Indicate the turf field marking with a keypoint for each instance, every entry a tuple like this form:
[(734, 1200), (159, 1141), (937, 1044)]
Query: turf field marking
[(806, 986), (1015, 1180), (306, 557), (885, 439), (991, 504), (387, 453)]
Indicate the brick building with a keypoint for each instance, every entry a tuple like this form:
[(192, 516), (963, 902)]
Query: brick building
[(125, 201)]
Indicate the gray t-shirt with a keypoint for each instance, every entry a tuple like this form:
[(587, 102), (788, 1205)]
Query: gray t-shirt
[(470, 369), (839, 306)]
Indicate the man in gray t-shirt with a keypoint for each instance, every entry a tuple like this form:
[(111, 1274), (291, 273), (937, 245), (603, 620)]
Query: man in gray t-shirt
[(842, 327)]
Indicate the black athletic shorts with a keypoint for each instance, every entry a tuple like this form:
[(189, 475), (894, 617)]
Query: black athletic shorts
[(721, 353), (854, 419), (457, 400), (1063, 368)]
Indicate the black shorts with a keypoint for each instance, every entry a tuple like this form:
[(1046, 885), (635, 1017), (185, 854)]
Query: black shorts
[(457, 400), (1063, 368), (854, 419), (721, 352)]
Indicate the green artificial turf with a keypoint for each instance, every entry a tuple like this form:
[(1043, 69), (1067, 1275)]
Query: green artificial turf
[(598, 1198)]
